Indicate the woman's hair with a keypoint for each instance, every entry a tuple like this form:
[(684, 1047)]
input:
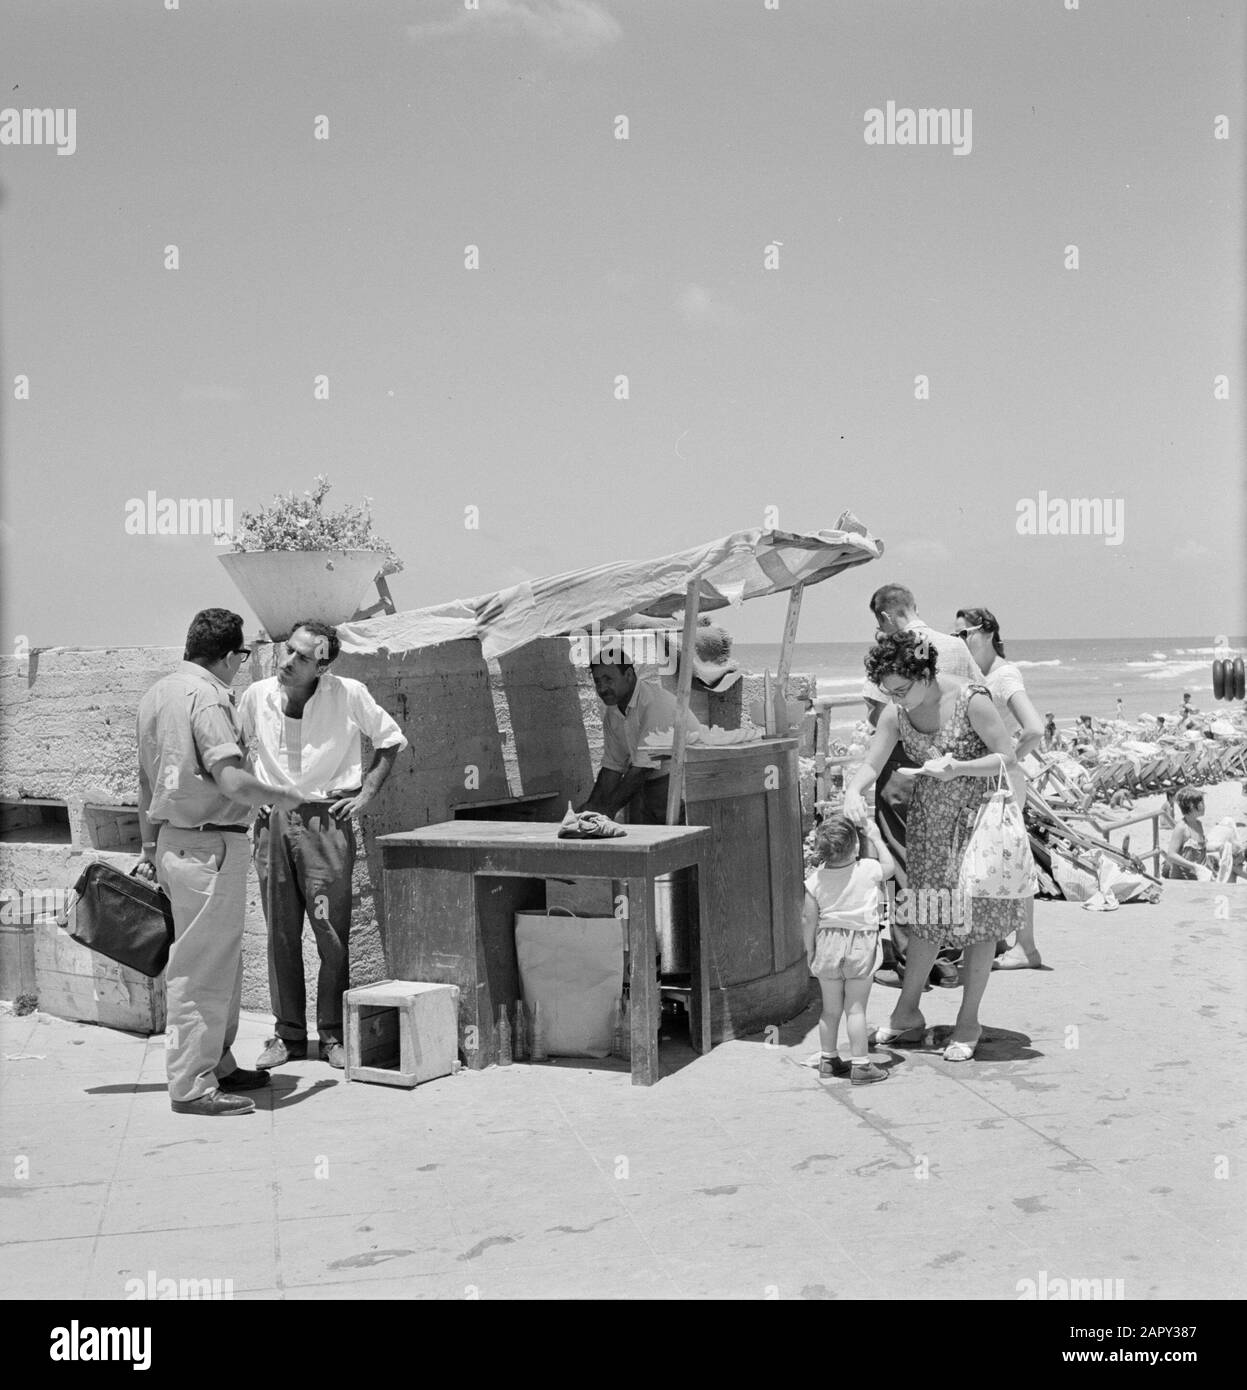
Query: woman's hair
[(986, 620), (904, 654), (1189, 798), (836, 838)]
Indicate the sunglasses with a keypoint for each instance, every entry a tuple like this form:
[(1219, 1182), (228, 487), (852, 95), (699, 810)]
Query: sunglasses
[(900, 692), (244, 652), (962, 632)]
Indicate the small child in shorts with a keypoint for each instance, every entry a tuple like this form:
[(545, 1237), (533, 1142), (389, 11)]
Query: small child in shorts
[(841, 930)]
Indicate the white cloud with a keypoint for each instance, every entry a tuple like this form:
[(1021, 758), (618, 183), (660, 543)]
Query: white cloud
[(572, 27), (696, 304)]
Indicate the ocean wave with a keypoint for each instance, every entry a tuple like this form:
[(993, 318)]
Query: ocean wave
[(1171, 669), (1055, 661)]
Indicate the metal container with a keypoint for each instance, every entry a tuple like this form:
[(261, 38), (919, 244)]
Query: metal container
[(671, 926)]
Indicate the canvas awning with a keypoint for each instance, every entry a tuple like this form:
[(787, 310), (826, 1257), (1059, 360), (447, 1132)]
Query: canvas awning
[(746, 564)]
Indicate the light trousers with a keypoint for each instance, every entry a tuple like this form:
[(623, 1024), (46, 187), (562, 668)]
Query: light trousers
[(204, 873)]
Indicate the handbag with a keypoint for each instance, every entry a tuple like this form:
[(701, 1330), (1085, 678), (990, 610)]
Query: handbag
[(122, 917), (997, 863)]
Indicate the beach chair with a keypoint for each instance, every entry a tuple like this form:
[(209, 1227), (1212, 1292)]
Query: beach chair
[(1043, 817)]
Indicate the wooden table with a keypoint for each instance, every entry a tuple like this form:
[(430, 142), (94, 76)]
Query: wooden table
[(451, 892)]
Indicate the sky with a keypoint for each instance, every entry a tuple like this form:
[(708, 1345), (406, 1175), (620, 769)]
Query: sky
[(916, 344)]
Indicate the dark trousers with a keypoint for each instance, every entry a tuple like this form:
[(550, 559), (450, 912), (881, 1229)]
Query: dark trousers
[(304, 860), (649, 805)]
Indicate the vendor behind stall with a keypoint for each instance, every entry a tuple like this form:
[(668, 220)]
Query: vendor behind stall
[(635, 708)]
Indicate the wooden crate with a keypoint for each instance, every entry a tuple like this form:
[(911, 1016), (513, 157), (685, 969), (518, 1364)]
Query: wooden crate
[(76, 983), (401, 1032), (17, 953)]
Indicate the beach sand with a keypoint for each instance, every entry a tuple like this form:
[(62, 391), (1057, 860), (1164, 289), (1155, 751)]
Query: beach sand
[(1097, 1134)]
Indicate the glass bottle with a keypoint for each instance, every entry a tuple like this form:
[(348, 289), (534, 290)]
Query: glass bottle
[(538, 1050), (504, 1038)]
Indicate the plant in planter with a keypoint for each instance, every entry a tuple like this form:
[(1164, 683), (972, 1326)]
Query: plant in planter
[(293, 559)]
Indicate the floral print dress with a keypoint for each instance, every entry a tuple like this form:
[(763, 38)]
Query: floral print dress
[(941, 817)]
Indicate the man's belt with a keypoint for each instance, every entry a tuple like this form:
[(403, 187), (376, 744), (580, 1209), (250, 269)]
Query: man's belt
[(224, 829)]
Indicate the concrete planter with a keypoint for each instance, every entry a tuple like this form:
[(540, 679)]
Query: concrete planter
[(283, 586)]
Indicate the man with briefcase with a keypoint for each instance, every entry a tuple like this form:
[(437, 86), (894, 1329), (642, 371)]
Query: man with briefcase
[(195, 802)]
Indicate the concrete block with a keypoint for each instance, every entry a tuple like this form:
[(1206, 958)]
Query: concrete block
[(67, 720)]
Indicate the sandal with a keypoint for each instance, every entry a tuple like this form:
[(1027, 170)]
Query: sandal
[(959, 1051), (883, 1036)]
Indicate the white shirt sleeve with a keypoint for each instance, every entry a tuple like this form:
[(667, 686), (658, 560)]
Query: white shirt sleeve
[(246, 714), (1008, 684), (657, 714), (615, 754), (378, 725)]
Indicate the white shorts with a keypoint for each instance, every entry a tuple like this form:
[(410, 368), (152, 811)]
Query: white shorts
[(840, 954)]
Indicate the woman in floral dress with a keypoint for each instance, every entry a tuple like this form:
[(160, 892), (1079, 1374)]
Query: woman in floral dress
[(953, 730)]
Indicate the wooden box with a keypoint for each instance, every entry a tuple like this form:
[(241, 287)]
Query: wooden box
[(75, 983), (401, 1032)]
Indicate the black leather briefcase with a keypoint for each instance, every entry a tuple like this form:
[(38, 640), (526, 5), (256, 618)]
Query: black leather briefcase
[(122, 917)]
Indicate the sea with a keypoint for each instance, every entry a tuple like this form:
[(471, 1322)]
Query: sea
[(1067, 676)]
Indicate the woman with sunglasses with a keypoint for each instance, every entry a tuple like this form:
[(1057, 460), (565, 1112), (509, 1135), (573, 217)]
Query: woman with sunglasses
[(979, 630), (952, 730)]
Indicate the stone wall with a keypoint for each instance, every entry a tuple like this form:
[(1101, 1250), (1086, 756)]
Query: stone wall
[(529, 724)]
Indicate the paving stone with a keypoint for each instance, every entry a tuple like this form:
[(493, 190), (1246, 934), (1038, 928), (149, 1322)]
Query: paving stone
[(368, 1245), (29, 1212), (46, 1269), (242, 1254), (246, 1196)]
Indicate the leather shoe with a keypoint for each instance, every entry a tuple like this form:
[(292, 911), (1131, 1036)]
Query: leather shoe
[(213, 1103), (240, 1079), (334, 1054), (278, 1050)]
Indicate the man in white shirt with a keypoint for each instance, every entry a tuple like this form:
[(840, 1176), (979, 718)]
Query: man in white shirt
[(303, 729), (895, 611), (634, 709)]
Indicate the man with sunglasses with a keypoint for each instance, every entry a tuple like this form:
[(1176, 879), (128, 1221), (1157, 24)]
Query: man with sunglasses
[(894, 610), (195, 800), (303, 728)]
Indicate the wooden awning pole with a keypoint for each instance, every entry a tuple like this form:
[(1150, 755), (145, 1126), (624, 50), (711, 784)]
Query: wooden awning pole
[(684, 688), (785, 656)]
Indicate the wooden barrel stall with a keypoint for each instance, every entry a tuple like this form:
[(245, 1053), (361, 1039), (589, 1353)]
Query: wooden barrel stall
[(748, 797)]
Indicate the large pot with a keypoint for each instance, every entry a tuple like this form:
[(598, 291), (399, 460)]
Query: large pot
[(283, 586)]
